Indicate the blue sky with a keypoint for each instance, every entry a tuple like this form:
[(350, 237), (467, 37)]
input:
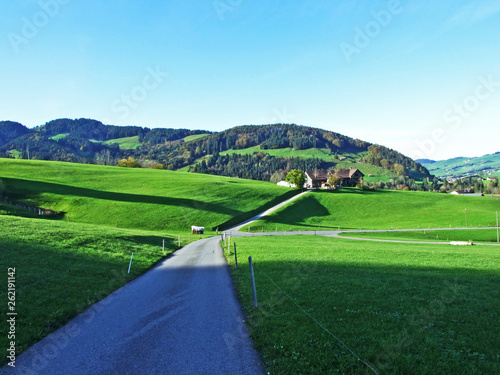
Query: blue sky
[(421, 77)]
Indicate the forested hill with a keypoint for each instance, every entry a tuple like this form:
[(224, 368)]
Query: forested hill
[(255, 152)]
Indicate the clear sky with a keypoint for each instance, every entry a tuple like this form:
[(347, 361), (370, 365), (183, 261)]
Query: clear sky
[(422, 77)]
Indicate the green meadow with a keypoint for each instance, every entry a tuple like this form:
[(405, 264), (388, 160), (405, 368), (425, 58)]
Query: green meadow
[(195, 137), (381, 209), (311, 153), (401, 308), (126, 143), (59, 136), (137, 198)]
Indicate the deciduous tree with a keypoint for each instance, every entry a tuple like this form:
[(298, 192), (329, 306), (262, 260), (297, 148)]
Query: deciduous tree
[(296, 177)]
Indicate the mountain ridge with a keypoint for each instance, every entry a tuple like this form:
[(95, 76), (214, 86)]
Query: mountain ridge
[(461, 166), (90, 141)]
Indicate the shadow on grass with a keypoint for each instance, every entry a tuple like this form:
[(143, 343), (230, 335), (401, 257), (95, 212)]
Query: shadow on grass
[(25, 189), (397, 318), (296, 214), (56, 281)]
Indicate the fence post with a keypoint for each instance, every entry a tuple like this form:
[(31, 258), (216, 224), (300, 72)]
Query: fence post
[(235, 256), (254, 290), (130, 264), (163, 246)]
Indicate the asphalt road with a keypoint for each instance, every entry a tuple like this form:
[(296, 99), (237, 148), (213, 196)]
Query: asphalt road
[(181, 317), (234, 233)]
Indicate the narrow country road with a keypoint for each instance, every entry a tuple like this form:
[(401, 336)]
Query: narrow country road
[(265, 213), (181, 317), (341, 234)]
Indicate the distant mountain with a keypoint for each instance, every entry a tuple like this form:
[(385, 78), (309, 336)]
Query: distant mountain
[(425, 161), (11, 130), (255, 152), (81, 140), (465, 167)]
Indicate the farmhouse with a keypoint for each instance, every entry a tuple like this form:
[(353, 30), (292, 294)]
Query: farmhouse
[(319, 178), (316, 179), (350, 177)]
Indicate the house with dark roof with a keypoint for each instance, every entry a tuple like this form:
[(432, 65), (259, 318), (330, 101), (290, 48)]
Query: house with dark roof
[(317, 178), (348, 177)]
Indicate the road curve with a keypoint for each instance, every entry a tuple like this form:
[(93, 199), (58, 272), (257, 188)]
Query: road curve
[(181, 317), (233, 233)]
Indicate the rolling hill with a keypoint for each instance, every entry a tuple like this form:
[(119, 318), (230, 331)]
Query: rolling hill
[(144, 199), (464, 167), (252, 152)]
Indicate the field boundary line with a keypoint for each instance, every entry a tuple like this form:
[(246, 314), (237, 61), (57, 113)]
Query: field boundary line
[(318, 323)]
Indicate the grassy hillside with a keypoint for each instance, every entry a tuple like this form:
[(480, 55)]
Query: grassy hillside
[(195, 137), (126, 143), (136, 198), (377, 173), (384, 209), (461, 167), (403, 309), (311, 153), (59, 136), (63, 268)]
